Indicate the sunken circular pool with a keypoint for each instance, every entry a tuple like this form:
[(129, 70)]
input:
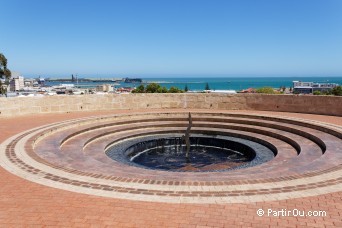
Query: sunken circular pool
[(206, 153)]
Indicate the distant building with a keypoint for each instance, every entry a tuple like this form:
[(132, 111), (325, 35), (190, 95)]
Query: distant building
[(104, 88), (323, 87), (223, 91), (125, 89), (311, 87), (249, 90), (29, 82), (17, 83), (302, 84), (41, 81), (65, 86)]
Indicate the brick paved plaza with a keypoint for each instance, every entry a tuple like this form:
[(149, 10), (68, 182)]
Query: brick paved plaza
[(154, 199), (177, 113)]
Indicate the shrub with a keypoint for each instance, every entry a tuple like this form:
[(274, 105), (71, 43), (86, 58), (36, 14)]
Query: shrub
[(267, 90), (139, 89), (162, 90), (152, 88), (337, 91), (156, 88), (175, 90)]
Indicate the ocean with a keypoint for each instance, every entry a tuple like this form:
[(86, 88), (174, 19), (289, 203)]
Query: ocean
[(222, 83)]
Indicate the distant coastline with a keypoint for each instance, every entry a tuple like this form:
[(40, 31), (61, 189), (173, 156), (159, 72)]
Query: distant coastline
[(197, 84)]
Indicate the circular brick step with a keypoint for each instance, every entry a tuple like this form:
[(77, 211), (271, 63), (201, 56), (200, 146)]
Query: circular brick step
[(71, 155)]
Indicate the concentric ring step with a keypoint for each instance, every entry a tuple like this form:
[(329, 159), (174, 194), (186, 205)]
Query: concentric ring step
[(309, 173), (108, 129)]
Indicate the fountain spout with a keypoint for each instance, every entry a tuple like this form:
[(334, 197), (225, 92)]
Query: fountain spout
[(186, 137)]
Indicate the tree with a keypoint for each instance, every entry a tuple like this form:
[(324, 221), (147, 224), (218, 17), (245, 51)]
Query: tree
[(186, 89), (5, 73), (328, 92), (162, 90), (175, 90), (337, 91), (139, 89), (207, 86), (317, 93), (152, 88), (2, 89), (156, 88)]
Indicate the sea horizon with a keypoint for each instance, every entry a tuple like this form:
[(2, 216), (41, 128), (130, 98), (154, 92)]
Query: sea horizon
[(217, 83), (152, 76)]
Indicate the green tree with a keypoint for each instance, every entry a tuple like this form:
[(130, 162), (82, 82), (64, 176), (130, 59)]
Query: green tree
[(175, 90), (156, 88), (207, 86), (162, 90), (337, 91), (5, 73), (2, 89), (317, 93), (186, 89), (139, 89), (152, 88), (267, 90), (328, 92)]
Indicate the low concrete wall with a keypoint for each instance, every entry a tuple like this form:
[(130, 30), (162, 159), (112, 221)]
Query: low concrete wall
[(326, 105)]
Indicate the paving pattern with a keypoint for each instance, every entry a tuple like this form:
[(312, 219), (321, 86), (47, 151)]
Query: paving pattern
[(67, 152)]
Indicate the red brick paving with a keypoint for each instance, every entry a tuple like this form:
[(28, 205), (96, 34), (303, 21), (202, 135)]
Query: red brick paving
[(23, 203)]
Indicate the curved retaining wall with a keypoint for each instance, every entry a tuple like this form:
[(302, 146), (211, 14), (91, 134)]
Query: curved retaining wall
[(325, 105)]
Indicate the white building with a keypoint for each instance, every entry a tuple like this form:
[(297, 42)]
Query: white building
[(302, 84), (104, 88), (310, 87), (17, 83), (223, 91), (29, 82)]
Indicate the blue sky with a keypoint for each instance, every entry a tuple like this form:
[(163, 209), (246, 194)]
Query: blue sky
[(173, 37)]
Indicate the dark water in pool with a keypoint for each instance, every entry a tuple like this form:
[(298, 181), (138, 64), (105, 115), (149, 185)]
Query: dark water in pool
[(206, 154)]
